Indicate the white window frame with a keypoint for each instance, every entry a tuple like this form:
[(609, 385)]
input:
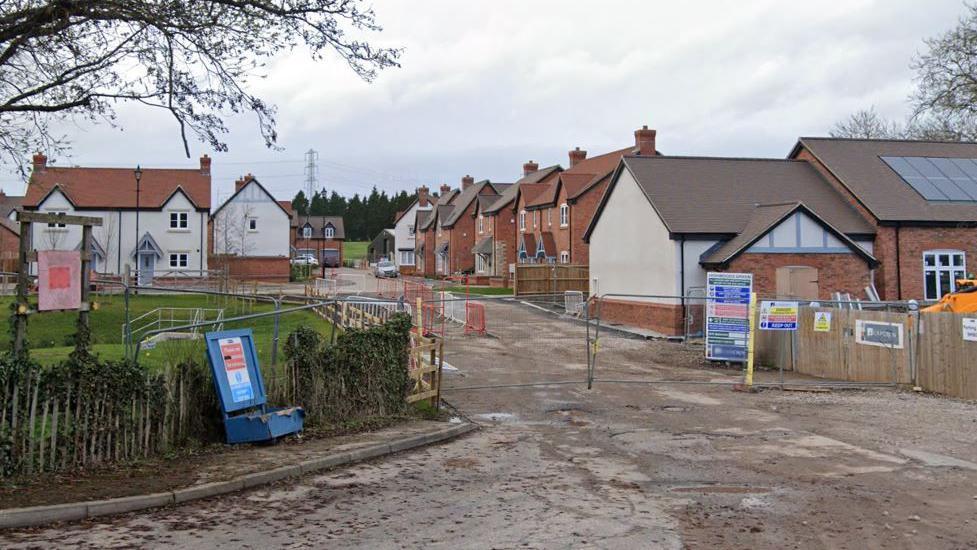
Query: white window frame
[(522, 220), (535, 219), (182, 219), (481, 223), (407, 257), (481, 264), (564, 257), (253, 222), (56, 226), (954, 271), (564, 215), (329, 232), (180, 257), (549, 217), (306, 232)]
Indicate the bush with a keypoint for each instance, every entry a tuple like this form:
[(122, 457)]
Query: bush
[(363, 375)]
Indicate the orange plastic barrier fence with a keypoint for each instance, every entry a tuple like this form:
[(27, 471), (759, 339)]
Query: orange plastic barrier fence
[(474, 318)]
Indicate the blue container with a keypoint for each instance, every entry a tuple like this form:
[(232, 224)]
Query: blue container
[(237, 379)]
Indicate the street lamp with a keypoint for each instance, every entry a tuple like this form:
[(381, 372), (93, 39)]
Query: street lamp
[(138, 174)]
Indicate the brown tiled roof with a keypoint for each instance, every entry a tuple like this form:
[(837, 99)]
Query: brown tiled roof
[(464, 200), (857, 164), (580, 178), (483, 246), (543, 175), (530, 191), (530, 241), (287, 207), (423, 220), (319, 222), (94, 188), (764, 218), (549, 244), (718, 195), (9, 203)]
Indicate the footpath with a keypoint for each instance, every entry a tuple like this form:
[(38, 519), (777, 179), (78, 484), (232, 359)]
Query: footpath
[(170, 482)]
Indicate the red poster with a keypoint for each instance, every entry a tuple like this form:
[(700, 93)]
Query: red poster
[(58, 279)]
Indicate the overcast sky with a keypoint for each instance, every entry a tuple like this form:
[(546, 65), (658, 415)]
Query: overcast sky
[(485, 86)]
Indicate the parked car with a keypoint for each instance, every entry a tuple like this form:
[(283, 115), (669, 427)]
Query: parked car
[(305, 259), (385, 268)]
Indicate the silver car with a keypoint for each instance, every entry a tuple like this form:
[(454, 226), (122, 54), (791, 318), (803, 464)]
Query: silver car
[(385, 268)]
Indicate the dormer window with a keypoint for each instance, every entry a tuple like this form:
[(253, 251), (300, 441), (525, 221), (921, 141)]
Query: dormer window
[(328, 231), (307, 232)]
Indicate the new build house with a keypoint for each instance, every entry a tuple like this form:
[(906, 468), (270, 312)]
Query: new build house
[(320, 237), (496, 228), (920, 198), (664, 222), (556, 219), (250, 233), (455, 226), (405, 231), (171, 210), (427, 232)]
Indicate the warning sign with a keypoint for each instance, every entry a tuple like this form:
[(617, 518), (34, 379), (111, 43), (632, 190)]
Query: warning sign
[(778, 315), (970, 329), (822, 321), (236, 368)]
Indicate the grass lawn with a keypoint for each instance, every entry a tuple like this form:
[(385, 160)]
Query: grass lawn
[(480, 290), (355, 250), (50, 334)]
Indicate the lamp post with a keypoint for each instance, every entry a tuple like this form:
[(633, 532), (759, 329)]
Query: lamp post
[(138, 174)]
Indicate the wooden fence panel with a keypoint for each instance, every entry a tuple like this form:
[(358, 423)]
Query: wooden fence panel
[(947, 363), (550, 279)]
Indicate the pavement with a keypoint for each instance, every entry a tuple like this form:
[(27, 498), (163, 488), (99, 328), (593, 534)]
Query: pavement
[(664, 458)]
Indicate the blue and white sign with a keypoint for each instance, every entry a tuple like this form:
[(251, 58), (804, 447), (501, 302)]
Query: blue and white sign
[(728, 315)]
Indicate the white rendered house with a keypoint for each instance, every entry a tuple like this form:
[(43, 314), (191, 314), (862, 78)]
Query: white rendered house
[(405, 232)]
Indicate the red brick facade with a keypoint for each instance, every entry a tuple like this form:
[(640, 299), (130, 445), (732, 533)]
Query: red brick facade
[(665, 319), (582, 210), (318, 244), (836, 272)]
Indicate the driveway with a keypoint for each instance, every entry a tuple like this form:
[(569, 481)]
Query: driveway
[(624, 465)]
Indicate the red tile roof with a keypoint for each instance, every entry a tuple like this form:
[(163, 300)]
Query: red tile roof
[(578, 179), (287, 206), (116, 187)]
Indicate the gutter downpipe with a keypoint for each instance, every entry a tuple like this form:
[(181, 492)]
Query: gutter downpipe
[(898, 264), (685, 313)]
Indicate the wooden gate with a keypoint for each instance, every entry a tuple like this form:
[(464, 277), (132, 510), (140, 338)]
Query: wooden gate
[(550, 279)]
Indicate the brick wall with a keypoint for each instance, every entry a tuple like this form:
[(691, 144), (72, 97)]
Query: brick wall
[(461, 239), (581, 212), (913, 241), (254, 268), (662, 318), (836, 272)]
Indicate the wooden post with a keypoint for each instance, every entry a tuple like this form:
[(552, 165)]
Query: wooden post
[(23, 282), (86, 260)]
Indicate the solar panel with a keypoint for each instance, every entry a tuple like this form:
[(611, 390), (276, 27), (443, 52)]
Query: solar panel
[(938, 179)]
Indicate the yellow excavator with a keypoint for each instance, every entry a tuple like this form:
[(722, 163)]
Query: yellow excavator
[(963, 300)]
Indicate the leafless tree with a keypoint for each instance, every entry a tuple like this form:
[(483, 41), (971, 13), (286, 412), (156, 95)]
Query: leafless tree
[(79, 59), (106, 236), (867, 124), (231, 234), (945, 101)]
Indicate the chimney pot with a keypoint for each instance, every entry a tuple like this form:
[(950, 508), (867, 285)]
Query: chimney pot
[(205, 165), (644, 141), (422, 196), (467, 182), (445, 189), (529, 168), (577, 156), (240, 182), (40, 161)]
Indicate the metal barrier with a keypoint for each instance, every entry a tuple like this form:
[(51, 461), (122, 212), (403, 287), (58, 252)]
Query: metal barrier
[(474, 318)]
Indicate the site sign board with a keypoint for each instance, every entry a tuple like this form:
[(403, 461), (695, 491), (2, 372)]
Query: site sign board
[(234, 364), (728, 315), (879, 333), (970, 329), (58, 279), (778, 315), (822, 321)]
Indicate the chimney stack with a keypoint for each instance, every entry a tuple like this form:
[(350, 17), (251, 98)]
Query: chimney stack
[(205, 165), (467, 182), (445, 189), (40, 162), (529, 168), (242, 182), (644, 141), (422, 196), (576, 156)]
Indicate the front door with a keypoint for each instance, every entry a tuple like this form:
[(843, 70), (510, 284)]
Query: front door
[(147, 264)]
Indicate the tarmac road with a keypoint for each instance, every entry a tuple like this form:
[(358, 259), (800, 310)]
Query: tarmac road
[(619, 466)]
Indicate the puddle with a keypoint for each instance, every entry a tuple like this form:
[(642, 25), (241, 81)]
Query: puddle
[(497, 417), (721, 489)]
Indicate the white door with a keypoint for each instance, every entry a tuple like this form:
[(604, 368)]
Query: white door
[(147, 264)]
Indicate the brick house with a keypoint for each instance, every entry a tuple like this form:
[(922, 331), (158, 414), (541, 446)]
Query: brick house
[(9, 230), (920, 197), (426, 226), (560, 215), (320, 236), (496, 223), (455, 223), (664, 222)]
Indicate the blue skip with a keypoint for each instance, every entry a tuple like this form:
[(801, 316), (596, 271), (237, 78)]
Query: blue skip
[(237, 379)]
